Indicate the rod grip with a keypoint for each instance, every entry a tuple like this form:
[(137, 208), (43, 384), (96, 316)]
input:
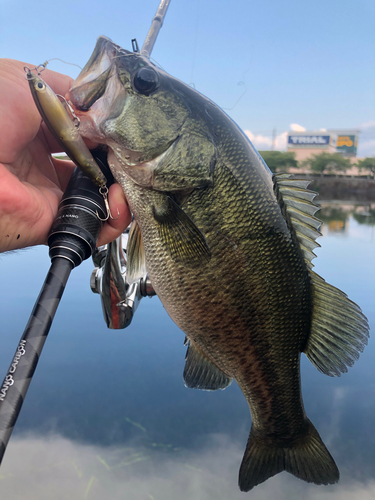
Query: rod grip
[(79, 220)]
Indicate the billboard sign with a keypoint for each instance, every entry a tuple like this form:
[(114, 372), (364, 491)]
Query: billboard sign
[(308, 140), (347, 144)]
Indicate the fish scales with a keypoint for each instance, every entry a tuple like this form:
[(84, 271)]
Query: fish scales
[(228, 248), (235, 326)]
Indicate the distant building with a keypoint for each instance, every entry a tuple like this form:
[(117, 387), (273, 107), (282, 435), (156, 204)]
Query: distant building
[(308, 143)]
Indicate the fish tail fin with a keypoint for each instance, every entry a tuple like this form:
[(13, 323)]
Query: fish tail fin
[(307, 458)]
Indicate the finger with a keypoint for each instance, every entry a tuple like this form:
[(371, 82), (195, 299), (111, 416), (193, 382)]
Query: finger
[(118, 205), (20, 119)]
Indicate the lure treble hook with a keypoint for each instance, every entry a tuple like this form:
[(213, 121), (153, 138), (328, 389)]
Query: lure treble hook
[(103, 190)]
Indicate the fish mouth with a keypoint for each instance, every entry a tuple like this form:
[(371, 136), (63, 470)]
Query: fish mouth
[(100, 97), (99, 94), (91, 83), (97, 89)]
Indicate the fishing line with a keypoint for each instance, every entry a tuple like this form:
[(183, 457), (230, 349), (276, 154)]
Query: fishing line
[(112, 58), (123, 54), (238, 100), (241, 82), (44, 65), (58, 59), (195, 44), (157, 64)]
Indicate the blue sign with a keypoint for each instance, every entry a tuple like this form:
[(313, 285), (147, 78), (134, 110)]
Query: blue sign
[(308, 140)]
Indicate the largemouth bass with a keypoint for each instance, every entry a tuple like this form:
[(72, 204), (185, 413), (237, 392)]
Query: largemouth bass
[(228, 247)]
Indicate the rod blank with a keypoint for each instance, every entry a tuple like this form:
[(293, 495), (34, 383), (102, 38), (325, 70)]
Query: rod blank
[(25, 360), (157, 23)]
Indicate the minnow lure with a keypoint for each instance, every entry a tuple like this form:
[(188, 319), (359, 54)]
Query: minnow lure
[(61, 125)]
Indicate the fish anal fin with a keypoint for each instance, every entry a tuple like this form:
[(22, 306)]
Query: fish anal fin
[(201, 373), (306, 458), (181, 237), (339, 330), (135, 254)]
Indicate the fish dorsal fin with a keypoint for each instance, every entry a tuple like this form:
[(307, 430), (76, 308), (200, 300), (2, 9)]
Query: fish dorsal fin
[(298, 202), (181, 237), (135, 255), (200, 372), (339, 329)]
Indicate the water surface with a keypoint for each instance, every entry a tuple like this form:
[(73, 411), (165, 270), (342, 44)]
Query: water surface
[(107, 412)]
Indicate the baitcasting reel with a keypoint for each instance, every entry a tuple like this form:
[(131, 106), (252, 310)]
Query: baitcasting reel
[(119, 298)]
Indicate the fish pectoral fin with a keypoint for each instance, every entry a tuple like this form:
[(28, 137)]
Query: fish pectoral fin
[(135, 255), (306, 458), (181, 237), (339, 329), (201, 373)]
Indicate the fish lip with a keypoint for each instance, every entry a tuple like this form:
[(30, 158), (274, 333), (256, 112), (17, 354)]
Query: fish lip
[(88, 93), (99, 59), (106, 57), (90, 84)]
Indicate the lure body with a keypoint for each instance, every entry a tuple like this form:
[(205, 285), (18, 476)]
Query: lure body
[(63, 128)]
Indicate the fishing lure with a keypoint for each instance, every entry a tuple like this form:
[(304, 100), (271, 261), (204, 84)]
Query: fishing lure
[(64, 129)]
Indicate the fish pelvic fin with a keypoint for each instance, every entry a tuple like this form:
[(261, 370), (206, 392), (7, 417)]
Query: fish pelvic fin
[(306, 458), (201, 373), (339, 329)]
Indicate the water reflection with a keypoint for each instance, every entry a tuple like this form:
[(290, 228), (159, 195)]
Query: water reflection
[(42, 469), (336, 214), (120, 420)]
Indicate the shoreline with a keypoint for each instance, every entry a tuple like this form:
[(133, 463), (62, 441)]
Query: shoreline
[(341, 187)]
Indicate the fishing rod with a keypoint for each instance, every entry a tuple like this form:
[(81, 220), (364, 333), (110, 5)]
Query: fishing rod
[(82, 213), (72, 238), (156, 25)]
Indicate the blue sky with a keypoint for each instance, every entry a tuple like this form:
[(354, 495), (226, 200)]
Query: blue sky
[(304, 63)]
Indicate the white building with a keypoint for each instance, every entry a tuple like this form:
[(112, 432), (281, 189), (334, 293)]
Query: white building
[(308, 143)]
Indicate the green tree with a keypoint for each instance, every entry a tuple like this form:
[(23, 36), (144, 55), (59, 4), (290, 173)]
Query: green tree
[(279, 161), (367, 164), (325, 163)]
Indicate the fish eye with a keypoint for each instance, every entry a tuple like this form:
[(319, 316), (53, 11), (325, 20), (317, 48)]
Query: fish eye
[(145, 81), (40, 85)]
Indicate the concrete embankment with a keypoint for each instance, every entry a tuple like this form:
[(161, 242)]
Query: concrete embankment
[(342, 188)]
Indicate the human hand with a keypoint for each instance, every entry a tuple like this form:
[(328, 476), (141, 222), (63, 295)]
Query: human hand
[(31, 180)]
